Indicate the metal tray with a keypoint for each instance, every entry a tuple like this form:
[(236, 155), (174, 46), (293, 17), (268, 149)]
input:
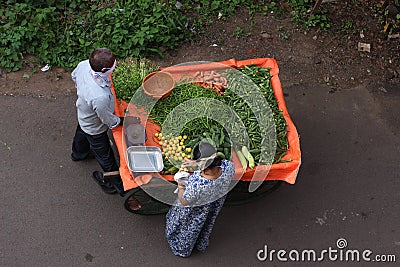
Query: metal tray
[(144, 159)]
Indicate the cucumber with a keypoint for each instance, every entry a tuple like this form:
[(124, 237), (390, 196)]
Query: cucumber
[(222, 155), (242, 159), (248, 156)]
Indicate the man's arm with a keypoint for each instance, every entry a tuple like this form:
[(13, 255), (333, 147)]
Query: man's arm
[(105, 112)]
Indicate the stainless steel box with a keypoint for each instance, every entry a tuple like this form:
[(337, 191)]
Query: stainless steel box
[(144, 159)]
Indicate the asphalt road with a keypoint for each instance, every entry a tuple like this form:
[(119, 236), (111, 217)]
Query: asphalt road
[(53, 214)]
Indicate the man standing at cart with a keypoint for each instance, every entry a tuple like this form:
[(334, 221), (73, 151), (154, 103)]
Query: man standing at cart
[(95, 110)]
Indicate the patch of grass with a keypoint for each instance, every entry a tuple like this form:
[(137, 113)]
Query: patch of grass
[(282, 34), (238, 33), (302, 15), (129, 74), (388, 15)]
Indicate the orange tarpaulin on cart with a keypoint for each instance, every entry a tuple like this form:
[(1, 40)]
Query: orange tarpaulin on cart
[(285, 171)]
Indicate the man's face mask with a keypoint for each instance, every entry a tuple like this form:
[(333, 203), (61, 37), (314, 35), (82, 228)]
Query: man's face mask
[(108, 71), (105, 72)]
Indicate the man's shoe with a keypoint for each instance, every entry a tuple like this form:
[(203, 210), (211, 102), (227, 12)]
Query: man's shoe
[(73, 158), (105, 186)]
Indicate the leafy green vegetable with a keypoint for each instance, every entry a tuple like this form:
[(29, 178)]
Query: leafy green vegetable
[(129, 74)]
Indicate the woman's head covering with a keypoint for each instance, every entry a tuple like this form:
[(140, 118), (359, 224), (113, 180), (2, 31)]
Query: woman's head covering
[(205, 155)]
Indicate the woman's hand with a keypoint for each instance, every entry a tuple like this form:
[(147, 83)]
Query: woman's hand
[(188, 163)]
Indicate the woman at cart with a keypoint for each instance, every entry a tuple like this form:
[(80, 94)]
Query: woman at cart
[(190, 220)]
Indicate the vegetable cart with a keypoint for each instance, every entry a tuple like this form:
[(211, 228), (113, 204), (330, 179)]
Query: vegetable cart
[(154, 189)]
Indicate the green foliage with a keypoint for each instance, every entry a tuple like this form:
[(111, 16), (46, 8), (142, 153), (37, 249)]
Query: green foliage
[(19, 34), (270, 7), (390, 22), (238, 33), (129, 74), (347, 27), (301, 15), (208, 11), (62, 33)]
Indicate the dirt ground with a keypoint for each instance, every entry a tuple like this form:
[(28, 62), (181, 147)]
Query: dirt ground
[(303, 57)]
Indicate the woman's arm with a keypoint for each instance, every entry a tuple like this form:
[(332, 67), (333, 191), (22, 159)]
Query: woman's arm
[(181, 190)]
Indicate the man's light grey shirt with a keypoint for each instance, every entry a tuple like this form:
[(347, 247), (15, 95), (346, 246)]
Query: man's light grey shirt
[(95, 103)]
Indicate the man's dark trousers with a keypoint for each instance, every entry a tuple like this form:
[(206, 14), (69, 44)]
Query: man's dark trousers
[(100, 146)]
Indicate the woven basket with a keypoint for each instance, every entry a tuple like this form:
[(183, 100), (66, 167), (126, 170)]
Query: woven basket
[(158, 84)]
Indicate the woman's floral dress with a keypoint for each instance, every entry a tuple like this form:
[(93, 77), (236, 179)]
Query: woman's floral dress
[(190, 226)]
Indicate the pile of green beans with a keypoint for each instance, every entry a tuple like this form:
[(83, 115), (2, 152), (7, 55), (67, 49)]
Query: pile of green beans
[(180, 94), (262, 78)]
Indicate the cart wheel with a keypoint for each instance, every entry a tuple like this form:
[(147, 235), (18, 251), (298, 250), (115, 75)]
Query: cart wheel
[(240, 193), (150, 206)]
